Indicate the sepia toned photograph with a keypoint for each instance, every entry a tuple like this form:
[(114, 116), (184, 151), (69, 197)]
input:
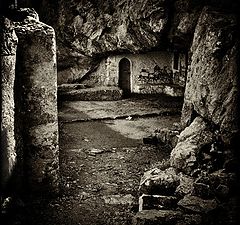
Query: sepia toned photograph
[(120, 112)]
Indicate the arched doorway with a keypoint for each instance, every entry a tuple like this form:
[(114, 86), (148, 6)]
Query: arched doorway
[(124, 81)]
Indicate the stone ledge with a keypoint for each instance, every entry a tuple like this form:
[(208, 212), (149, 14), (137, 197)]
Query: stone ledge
[(91, 94)]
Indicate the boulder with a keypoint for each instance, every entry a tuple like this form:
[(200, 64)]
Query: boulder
[(197, 205), (212, 86), (159, 182), (185, 186), (191, 140), (167, 137)]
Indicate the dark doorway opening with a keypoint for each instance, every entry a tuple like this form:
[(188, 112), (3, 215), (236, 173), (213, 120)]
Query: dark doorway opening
[(124, 81)]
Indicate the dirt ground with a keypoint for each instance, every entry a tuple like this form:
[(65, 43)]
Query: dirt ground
[(101, 162)]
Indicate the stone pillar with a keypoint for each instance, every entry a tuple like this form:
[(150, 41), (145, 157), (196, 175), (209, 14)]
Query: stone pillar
[(37, 78), (8, 41)]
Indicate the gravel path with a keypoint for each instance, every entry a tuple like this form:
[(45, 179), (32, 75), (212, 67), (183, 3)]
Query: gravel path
[(101, 163)]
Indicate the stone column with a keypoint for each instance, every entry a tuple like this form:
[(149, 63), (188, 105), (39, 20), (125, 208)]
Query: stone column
[(8, 41), (37, 78)]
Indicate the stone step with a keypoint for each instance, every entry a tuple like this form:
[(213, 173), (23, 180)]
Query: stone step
[(78, 93)]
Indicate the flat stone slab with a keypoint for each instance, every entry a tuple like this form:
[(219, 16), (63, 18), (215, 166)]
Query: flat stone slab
[(135, 106), (79, 93)]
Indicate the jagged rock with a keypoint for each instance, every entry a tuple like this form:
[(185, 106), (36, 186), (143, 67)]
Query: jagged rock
[(147, 202), (221, 178), (185, 186), (184, 156), (167, 136), (197, 205), (222, 191), (184, 23), (211, 88), (156, 217), (231, 165), (202, 190), (160, 182), (190, 219), (97, 28)]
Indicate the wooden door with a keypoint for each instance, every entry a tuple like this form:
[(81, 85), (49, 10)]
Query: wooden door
[(125, 75)]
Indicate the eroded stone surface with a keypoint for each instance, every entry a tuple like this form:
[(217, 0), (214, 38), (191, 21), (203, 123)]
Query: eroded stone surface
[(91, 94), (211, 89), (185, 155), (156, 181), (198, 205), (185, 186), (37, 83), (8, 40)]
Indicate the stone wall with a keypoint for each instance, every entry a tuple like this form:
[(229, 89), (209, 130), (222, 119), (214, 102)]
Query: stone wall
[(151, 72)]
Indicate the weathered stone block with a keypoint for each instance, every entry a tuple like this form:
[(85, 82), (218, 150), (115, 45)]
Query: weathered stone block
[(190, 219), (185, 186), (8, 41), (37, 78)]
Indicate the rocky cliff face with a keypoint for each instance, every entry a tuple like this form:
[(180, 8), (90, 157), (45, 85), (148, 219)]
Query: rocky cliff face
[(211, 89), (204, 163), (88, 31)]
